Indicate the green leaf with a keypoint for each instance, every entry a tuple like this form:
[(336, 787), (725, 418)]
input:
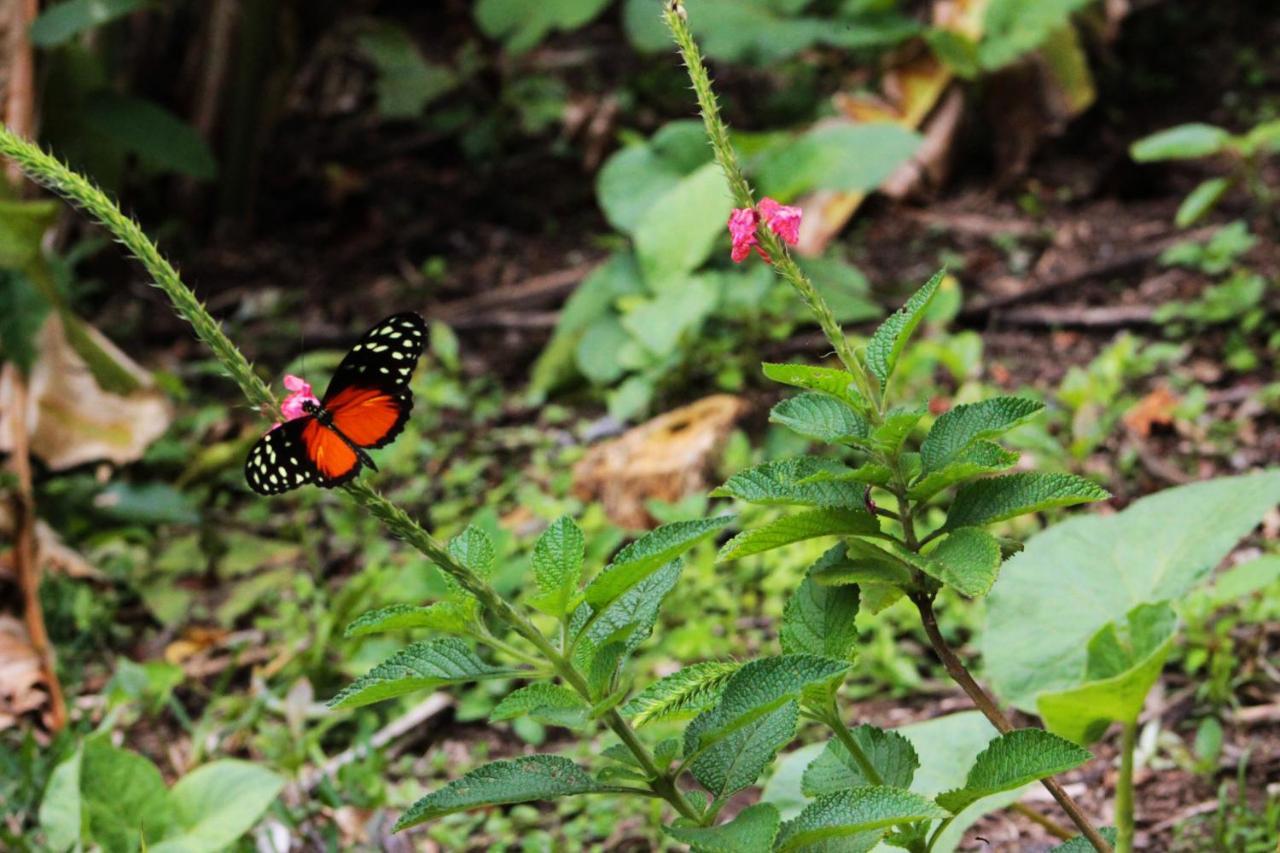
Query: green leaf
[(797, 528), (1201, 200), (407, 83), (821, 417), (1184, 142), (887, 343), (955, 431), (22, 228), (550, 704), (1012, 28), (557, 566), (898, 424), (660, 323), (787, 482), (999, 498), (842, 156), (521, 25), (1077, 576), (1080, 844), (752, 831), (628, 619), (835, 769), (421, 666), (520, 780), (737, 759), (1011, 761), (161, 140), (22, 314), (62, 22), (868, 473), (215, 804), (451, 617), (647, 554), (819, 620), (62, 805), (635, 177), (758, 688), (968, 560), (864, 812), (679, 231), (982, 457), (861, 563), (1121, 668), (689, 690), (473, 549), (828, 380), (123, 797)]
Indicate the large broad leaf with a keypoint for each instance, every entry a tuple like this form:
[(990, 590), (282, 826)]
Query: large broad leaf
[(421, 666), (123, 797), (521, 25), (787, 482), (215, 804), (1184, 142), (687, 691), (62, 22), (547, 703), (835, 769), (1077, 576), (521, 780), (557, 565), (1011, 761), (659, 324), (635, 177), (752, 831), (955, 431), (982, 457), (891, 337), (1123, 664), (999, 498), (161, 140), (844, 156), (819, 620), (647, 554), (797, 528), (1012, 28), (856, 815), (821, 417), (677, 233), (737, 759)]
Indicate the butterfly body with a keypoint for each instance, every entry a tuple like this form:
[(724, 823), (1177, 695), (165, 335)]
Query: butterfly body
[(365, 407)]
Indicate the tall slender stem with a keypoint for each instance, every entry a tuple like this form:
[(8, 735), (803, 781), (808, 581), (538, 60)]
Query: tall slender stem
[(1124, 789), (834, 721)]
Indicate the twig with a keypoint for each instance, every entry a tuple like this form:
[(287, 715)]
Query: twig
[(537, 290), (392, 731), (1101, 316), (19, 110)]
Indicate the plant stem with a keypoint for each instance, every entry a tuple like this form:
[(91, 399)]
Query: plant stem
[(1124, 789), (956, 669), (834, 721), (718, 134)]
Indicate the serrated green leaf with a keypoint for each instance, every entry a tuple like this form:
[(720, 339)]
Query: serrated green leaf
[(868, 473), (758, 688), (1184, 142), (968, 560), (1011, 761), (888, 437), (689, 690), (557, 565), (628, 620), (737, 759), (863, 563), (887, 343), (820, 417), (819, 620), (835, 769), (752, 831), (791, 482), (421, 666), (999, 498), (866, 811), (547, 703), (473, 549), (797, 528), (520, 780), (829, 380), (982, 457), (647, 554), (877, 597), (1080, 844), (956, 430), (451, 617), (1122, 666)]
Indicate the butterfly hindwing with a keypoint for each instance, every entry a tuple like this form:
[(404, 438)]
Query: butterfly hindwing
[(280, 461)]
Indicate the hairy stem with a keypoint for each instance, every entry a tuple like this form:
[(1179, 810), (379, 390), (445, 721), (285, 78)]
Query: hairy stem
[(1124, 789), (834, 721), (956, 669)]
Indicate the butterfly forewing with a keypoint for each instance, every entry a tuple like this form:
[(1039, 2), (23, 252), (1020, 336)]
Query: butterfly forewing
[(279, 461), (384, 358)]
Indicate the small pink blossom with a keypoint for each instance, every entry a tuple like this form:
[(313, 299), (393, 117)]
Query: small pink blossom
[(782, 219), (742, 228), (300, 394)]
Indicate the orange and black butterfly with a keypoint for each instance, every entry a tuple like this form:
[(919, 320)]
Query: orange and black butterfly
[(365, 407)]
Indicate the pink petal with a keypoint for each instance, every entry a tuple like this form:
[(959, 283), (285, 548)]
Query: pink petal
[(782, 219), (296, 383)]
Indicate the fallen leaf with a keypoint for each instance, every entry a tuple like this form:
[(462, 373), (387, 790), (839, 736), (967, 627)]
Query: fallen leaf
[(70, 419), (665, 459), (1155, 408), (21, 675), (52, 553), (194, 639)]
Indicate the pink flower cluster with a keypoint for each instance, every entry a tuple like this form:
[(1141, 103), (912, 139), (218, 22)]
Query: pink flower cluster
[(782, 220), (299, 394)]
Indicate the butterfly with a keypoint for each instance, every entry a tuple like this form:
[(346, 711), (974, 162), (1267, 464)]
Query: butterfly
[(365, 406)]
